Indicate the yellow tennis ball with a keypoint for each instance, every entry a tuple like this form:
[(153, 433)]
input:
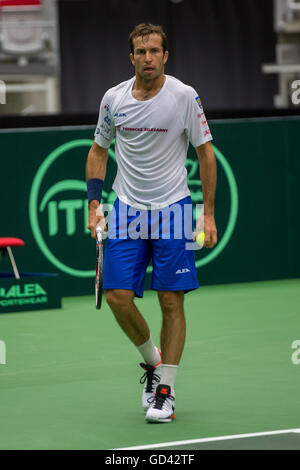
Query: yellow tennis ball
[(200, 238)]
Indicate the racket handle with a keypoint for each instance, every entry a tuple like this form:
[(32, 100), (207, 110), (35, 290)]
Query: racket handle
[(99, 233)]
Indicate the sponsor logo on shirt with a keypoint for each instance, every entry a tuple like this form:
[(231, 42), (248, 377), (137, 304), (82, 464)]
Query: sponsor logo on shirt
[(144, 129), (120, 115), (107, 119), (105, 127), (98, 131), (199, 102)]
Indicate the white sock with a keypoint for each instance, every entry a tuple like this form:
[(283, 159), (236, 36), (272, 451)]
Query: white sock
[(168, 374), (150, 352)]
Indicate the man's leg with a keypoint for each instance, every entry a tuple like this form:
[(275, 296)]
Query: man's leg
[(127, 315), (172, 343), (174, 272), (133, 324), (121, 302), (173, 330)]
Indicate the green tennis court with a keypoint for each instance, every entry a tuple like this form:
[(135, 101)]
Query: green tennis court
[(71, 378)]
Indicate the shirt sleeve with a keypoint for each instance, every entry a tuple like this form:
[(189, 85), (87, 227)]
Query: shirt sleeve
[(196, 126), (105, 131)]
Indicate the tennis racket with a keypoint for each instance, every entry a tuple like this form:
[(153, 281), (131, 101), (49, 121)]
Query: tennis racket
[(99, 267)]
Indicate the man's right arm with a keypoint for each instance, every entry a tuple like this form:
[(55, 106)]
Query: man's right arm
[(95, 168)]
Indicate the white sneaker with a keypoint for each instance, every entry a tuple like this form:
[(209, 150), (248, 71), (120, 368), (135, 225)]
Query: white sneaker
[(162, 407), (151, 379)]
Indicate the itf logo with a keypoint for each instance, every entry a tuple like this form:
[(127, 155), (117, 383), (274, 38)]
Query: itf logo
[(2, 352), (2, 92)]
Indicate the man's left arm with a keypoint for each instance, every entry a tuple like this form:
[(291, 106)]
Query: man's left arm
[(208, 176)]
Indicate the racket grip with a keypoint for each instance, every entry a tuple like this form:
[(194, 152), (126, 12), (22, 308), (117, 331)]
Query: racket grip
[(99, 233)]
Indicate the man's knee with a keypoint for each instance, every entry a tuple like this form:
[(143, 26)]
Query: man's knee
[(119, 298), (171, 302)]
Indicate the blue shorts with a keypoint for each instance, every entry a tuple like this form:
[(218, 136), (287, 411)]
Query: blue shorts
[(137, 236)]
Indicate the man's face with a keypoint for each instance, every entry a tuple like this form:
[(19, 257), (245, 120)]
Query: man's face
[(148, 57)]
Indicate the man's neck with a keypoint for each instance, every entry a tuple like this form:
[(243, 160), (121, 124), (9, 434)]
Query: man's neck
[(146, 89)]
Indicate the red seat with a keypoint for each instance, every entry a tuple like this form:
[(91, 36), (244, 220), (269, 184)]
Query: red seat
[(20, 3), (5, 245), (6, 241)]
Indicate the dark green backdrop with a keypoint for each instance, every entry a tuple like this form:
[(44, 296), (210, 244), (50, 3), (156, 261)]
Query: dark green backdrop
[(43, 201)]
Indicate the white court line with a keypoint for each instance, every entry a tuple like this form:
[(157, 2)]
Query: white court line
[(211, 439)]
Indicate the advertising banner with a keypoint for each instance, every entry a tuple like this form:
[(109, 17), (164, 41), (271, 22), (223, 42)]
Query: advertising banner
[(44, 202)]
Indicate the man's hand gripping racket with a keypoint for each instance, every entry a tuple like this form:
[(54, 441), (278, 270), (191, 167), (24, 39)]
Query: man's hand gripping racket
[(97, 226)]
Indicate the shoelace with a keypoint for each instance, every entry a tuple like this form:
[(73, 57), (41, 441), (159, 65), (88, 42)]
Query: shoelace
[(160, 400), (150, 376)]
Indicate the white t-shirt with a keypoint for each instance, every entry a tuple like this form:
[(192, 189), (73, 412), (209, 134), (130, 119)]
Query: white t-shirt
[(152, 139)]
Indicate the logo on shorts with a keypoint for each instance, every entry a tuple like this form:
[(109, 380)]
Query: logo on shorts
[(182, 271)]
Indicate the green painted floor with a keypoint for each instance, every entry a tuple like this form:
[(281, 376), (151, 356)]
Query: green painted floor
[(71, 380)]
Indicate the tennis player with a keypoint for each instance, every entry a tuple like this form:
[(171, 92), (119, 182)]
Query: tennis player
[(153, 117)]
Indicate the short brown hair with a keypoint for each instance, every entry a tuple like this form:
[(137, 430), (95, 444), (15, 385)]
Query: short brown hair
[(144, 29)]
